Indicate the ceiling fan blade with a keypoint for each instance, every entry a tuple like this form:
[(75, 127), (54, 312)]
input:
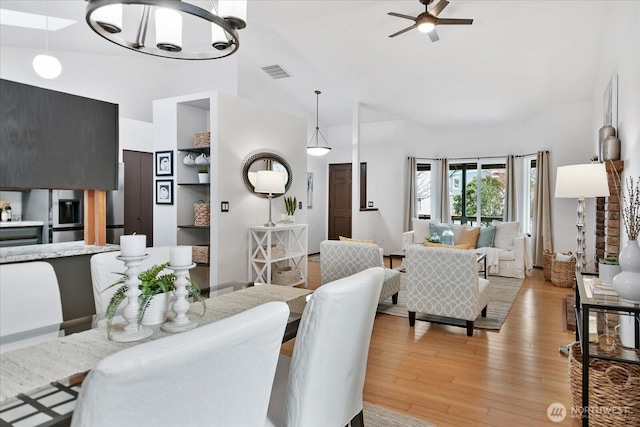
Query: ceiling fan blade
[(399, 15), (403, 31), (439, 7), (453, 21), (433, 35)]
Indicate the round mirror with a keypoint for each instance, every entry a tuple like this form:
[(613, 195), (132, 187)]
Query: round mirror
[(264, 160)]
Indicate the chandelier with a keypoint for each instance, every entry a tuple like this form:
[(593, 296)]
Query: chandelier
[(126, 23), (315, 149)]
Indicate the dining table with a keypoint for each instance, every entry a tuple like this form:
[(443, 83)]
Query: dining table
[(39, 383)]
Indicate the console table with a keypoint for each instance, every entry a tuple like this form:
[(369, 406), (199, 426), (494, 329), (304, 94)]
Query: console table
[(277, 247), (587, 302)]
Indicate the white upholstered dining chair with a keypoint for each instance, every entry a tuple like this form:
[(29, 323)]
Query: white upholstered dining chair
[(29, 299), (218, 374), (321, 384)]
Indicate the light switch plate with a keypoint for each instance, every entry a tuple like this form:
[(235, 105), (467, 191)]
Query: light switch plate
[(370, 204), (224, 206)]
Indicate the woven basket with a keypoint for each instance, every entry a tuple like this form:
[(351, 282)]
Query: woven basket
[(201, 214), (546, 264), (563, 273), (286, 276), (277, 251), (614, 390), (200, 253), (202, 139)]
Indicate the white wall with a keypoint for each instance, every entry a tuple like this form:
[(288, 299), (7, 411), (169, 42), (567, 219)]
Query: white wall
[(238, 128), (621, 55), (131, 80), (135, 135)]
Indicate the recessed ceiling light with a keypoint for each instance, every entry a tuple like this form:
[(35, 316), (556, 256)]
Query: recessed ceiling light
[(32, 20)]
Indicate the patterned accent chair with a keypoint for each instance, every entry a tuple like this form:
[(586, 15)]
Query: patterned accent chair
[(341, 259), (445, 283)]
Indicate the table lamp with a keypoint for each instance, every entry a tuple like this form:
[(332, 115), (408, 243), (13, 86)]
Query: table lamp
[(580, 182), (270, 183)]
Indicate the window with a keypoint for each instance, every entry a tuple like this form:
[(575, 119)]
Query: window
[(476, 192), (423, 188), (530, 180)]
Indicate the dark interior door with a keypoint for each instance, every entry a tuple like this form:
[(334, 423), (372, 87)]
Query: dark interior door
[(339, 200), (138, 194)]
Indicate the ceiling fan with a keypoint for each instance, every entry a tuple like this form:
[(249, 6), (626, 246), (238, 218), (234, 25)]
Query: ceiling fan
[(426, 22)]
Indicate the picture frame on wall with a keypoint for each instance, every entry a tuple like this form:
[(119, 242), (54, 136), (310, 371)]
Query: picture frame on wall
[(611, 102), (164, 192), (309, 190), (164, 163)]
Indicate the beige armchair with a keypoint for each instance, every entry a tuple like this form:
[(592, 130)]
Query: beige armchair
[(444, 282), (341, 259)]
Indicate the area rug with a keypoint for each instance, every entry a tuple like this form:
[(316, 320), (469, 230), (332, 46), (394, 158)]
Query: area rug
[(376, 416), (502, 294)]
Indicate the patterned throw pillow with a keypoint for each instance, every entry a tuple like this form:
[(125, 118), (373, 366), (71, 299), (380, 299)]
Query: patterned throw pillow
[(348, 239), (485, 239), (441, 246), (469, 237)]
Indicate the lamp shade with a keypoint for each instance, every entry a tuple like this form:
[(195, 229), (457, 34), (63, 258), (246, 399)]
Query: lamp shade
[(270, 182), (588, 180)]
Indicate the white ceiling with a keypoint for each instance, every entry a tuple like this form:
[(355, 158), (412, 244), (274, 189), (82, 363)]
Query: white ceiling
[(516, 58)]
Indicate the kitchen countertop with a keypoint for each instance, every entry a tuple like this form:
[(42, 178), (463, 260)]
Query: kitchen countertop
[(7, 224), (51, 250)]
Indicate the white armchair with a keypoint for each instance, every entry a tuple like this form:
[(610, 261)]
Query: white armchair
[(341, 259), (444, 282)]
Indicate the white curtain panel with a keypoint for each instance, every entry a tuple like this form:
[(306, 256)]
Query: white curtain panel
[(541, 237), (411, 196)]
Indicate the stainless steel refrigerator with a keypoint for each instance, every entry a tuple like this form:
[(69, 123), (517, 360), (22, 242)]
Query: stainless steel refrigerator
[(115, 209)]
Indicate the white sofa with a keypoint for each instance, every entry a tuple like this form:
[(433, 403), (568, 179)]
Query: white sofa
[(509, 257)]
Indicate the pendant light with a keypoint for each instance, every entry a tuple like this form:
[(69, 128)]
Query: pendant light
[(46, 66), (315, 149), (170, 18)]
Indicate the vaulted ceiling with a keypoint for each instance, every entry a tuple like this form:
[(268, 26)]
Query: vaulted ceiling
[(518, 56)]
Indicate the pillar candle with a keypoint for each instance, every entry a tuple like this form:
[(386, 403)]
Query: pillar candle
[(133, 245), (180, 256)]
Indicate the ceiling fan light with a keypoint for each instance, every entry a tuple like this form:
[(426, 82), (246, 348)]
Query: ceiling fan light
[(109, 18), (318, 151), (47, 66), (168, 30), (426, 27)]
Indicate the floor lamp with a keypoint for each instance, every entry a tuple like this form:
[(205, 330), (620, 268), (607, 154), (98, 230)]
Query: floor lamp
[(581, 182), (269, 183)]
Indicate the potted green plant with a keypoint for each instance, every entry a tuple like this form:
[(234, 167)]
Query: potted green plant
[(203, 175), (154, 285), (290, 205), (608, 268)]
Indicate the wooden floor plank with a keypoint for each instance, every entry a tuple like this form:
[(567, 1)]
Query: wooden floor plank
[(505, 378)]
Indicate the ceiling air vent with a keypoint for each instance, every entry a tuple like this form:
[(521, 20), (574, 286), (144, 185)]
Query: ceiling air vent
[(276, 71)]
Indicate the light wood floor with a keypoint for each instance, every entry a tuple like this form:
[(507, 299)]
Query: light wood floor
[(506, 378)]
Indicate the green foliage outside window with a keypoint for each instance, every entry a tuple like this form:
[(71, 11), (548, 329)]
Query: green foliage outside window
[(492, 197)]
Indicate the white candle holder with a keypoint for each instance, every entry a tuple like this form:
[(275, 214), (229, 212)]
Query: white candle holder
[(180, 322), (131, 331)]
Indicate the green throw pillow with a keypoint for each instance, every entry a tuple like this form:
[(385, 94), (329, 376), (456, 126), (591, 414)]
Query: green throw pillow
[(486, 237)]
